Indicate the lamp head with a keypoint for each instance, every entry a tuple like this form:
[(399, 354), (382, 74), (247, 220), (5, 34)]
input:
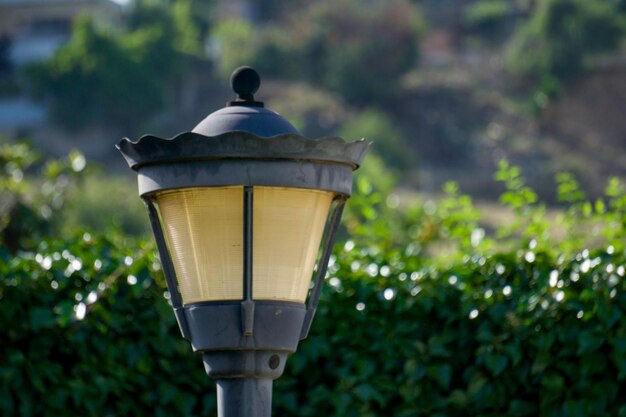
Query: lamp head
[(242, 208)]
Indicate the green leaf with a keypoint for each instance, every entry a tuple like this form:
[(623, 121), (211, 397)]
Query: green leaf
[(589, 341), (540, 363), (522, 408), (477, 383), (367, 392), (552, 381), (600, 207), (442, 374), (578, 408), (458, 398), (609, 314), (41, 317), (496, 363)]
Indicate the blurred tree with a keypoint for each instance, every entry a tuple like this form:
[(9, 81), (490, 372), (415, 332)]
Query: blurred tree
[(313, 111), (122, 78), (99, 78), (236, 44), (354, 48), (364, 51), (551, 46), (187, 22), (489, 18)]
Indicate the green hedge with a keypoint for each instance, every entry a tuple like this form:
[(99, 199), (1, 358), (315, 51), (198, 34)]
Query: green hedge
[(492, 336)]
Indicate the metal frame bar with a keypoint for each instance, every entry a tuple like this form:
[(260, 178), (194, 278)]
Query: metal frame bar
[(318, 283), (168, 268), (247, 305)]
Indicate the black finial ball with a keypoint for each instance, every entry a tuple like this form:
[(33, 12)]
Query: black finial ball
[(245, 81)]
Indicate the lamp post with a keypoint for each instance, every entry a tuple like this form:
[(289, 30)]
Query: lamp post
[(240, 207)]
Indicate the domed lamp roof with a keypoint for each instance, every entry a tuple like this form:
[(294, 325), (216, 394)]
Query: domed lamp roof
[(245, 114)]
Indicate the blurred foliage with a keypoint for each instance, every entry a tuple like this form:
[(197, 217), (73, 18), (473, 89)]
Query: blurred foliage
[(358, 52), (186, 22), (423, 314), (389, 141), (115, 78), (40, 198), (95, 335), (237, 44), (489, 17), (551, 46), (495, 335), (29, 209), (313, 111), (89, 204), (346, 66)]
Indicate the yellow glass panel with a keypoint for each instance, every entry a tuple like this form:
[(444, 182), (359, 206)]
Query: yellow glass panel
[(288, 227), (204, 231)]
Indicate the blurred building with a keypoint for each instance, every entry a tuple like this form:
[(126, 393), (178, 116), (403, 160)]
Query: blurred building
[(31, 30)]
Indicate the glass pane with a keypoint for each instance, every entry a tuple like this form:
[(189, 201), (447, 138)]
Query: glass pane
[(288, 227), (204, 231)]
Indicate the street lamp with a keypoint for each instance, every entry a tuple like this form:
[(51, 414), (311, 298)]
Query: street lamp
[(239, 208)]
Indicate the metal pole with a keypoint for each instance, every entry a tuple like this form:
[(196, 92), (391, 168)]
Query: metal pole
[(244, 397)]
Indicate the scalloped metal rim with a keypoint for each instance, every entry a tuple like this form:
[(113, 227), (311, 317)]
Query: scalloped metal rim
[(149, 149)]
